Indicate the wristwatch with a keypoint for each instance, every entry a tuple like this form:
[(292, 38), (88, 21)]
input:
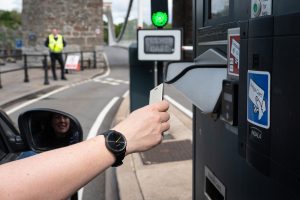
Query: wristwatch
[(116, 143)]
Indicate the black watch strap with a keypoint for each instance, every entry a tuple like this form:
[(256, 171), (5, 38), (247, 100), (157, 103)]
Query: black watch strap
[(119, 155), (119, 159)]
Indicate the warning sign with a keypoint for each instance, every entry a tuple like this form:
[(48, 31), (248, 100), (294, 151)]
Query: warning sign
[(258, 100), (73, 62), (234, 55), (233, 51)]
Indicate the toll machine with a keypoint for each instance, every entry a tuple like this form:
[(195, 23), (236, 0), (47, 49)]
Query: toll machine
[(244, 86)]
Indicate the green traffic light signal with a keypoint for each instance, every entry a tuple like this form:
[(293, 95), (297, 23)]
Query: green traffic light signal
[(159, 19), (159, 13)]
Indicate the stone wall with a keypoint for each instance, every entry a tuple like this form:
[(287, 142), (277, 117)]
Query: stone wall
[(79, 21)]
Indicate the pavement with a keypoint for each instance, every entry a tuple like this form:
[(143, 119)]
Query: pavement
[(163, 173), (167, 173)]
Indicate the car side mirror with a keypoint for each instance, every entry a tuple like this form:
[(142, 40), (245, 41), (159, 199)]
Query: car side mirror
[(46, 129)]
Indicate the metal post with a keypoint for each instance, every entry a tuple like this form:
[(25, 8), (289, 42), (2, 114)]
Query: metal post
[(155, 74), (0, 79), (89, 63), (81, 60), (45, 64), (95, 60), (66, 57), (160, 72), (26, 79)]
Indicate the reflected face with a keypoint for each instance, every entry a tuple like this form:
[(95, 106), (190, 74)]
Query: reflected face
[(60, 124)]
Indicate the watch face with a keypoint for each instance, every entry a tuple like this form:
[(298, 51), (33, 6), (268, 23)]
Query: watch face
[(116, 141)]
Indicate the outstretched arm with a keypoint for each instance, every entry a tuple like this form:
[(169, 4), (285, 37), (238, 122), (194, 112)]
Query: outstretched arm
[(59, 173)]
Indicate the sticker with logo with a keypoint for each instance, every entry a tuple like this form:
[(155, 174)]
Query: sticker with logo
[(258, 98)]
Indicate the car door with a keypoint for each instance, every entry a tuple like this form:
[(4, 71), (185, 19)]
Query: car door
[(11, 143)]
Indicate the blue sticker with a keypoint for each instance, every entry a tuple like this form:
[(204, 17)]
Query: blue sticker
[(258, 98), (19, 44)]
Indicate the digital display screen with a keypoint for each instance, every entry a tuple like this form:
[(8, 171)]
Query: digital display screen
[(218, 8), (159, 44)]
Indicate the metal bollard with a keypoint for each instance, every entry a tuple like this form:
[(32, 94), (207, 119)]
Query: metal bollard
[(95, 60), (89, 63), (66, 56), (0, 80), (26, 78), (81, 61), (45, 64)]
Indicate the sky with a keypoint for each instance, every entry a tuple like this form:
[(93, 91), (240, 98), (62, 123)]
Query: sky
[(119, 8), (11, 5)]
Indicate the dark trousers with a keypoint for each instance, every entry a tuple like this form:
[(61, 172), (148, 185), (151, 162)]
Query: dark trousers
[(59, 58)]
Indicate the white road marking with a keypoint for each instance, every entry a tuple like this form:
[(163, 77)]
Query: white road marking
[(108, 67), (96, 126), (110, 81), (125, 94), (59, 89), (94, 130), (179, 106), (36, 99), (26, 103)]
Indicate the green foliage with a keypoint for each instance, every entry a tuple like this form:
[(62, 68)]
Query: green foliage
[(10, 26), (118, 28), (105, 32), (10, 19)]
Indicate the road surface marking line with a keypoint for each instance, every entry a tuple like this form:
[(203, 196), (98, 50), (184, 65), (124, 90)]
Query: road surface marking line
[(36, 99), (107, 73), (97, 124), (179, 106), (125, 94), (45, 96)]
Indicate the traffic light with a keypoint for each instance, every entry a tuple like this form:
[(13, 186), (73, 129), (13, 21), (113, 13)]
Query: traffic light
[(159, 13)]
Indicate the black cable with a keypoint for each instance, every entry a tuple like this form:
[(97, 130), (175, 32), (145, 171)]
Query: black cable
[(120, 36)]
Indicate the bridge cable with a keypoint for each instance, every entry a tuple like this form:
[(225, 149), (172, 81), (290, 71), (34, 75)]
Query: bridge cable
[(120, 36)]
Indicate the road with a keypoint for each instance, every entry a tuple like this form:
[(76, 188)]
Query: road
[(94, 103)]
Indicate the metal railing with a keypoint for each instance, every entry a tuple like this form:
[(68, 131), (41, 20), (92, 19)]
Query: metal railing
[(85, 62), (65, 54)]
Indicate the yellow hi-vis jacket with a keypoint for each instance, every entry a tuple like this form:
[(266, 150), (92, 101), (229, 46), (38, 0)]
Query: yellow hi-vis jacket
[(56, 46)]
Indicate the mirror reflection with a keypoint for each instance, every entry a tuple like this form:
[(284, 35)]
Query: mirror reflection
[(53, 130)]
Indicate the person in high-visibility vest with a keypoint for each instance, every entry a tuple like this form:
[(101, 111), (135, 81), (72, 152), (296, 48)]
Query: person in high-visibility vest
[(56, 43)]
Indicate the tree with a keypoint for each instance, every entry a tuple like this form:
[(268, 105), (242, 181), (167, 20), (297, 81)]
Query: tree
[(10, 19)]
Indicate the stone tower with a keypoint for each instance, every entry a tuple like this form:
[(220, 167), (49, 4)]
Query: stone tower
[(79, 21)]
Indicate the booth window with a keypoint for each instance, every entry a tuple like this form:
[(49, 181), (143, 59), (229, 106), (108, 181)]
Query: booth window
[(218, 8)]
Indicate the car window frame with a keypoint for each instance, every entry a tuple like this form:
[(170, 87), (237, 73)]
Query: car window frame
[(5, 136)]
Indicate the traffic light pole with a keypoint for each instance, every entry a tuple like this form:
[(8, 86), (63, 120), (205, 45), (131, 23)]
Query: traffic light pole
[(158, 72), (0, 80), (155, 74)]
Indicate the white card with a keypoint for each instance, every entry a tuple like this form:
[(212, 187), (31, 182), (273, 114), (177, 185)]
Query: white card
[(156, 94)]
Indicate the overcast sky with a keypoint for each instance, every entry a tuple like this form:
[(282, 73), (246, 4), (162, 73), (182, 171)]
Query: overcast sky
[(119, 8), (11, 5)]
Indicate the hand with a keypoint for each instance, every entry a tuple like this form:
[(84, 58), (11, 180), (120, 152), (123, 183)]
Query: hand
[(144, 127)]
